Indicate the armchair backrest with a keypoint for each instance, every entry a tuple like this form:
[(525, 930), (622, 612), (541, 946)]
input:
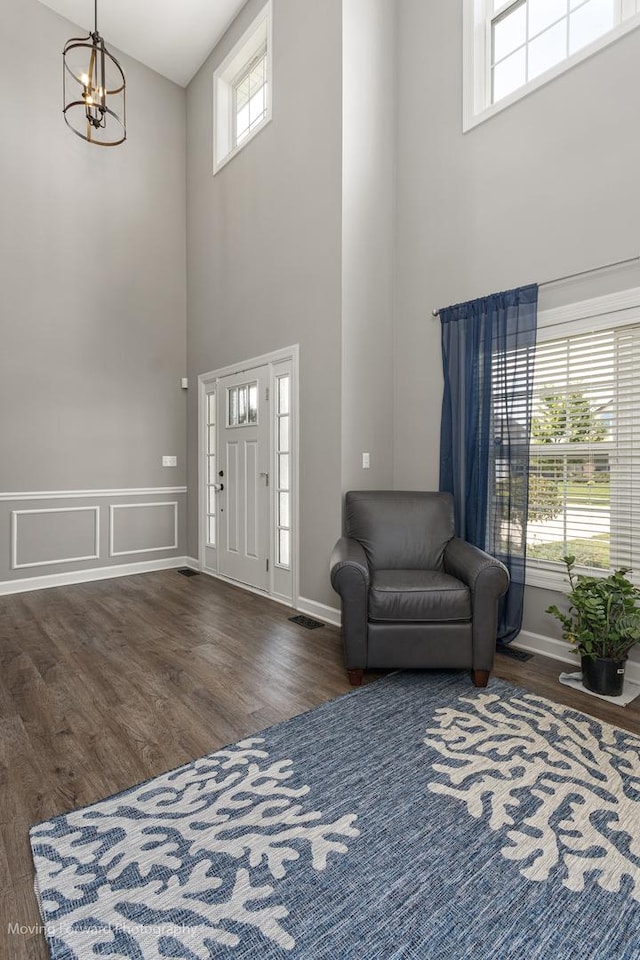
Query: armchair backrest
[(400, 529)]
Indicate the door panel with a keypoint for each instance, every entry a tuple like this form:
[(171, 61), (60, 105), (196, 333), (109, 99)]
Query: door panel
[(244, 506), (230, 468), (253, 499)]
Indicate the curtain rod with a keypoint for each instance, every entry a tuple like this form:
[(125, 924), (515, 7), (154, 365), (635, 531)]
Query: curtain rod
[(572, 276)]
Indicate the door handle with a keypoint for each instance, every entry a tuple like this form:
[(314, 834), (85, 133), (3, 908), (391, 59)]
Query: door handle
[(266, 478), (218, 487)]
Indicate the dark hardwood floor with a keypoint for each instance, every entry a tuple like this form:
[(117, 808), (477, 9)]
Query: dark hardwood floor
[(103, 685)]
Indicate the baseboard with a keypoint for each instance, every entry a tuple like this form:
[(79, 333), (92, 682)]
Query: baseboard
[(319, 610), (87, 576), (559, 650), (193, 563)]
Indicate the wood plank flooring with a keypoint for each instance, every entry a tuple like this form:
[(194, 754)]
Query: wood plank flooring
[(103, 685)]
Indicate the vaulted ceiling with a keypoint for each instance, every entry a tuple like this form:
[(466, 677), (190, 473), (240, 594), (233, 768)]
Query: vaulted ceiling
[(173, 37)]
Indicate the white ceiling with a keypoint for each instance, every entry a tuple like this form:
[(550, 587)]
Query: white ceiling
[(173, 37)]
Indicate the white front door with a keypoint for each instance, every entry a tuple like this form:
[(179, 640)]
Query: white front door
[(242, 462)]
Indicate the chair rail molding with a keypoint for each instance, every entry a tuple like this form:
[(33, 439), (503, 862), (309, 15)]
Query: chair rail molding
[(91, 494)]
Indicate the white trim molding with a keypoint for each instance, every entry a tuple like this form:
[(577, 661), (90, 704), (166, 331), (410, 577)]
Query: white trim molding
[(319, 610), (128, 506), (597, 313), (92, 494), (290, 354), (617, 309), (562, 651), (476, 47), (283, 601), (15, 514), (8, 587), (249, 48)]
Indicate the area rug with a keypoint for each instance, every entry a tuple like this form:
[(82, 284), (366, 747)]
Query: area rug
[(416, 817)]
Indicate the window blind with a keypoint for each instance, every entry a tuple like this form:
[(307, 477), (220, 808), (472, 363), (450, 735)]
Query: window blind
[(585, 450)]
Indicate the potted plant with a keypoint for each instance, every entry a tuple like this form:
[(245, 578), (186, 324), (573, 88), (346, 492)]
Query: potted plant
[(602, 624)]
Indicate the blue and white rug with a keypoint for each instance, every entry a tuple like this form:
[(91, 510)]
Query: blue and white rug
[(414, 818)]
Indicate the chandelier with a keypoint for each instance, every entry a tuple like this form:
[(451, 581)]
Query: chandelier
[(93, 90)]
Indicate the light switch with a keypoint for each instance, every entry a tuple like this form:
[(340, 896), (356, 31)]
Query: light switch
[(169, 461), (366, 461)]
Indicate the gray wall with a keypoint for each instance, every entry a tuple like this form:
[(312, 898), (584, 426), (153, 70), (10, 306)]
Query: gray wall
[(92, 283), (264, 253), (368, 247), (547, 187)]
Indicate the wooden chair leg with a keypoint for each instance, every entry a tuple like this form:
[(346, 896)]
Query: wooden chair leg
[(480, 677), (355, 677)]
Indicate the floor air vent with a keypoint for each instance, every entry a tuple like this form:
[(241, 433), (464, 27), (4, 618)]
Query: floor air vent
[(186, 572), (307, 622), (515, 654)]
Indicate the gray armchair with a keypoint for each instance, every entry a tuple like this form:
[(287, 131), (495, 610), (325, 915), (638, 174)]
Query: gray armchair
[(413, 594)]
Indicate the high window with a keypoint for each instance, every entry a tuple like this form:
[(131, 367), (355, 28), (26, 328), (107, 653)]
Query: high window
[(242, 91), (513, 46), (250, 93), (585, 446)]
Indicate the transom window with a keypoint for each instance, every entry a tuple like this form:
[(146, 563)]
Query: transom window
[(250, 92), (242, 90), (512, 46)]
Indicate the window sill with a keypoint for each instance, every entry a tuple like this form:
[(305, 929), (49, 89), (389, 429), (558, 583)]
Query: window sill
[(219, 164)]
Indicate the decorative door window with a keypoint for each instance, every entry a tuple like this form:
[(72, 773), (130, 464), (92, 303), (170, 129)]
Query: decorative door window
[(242, 405)]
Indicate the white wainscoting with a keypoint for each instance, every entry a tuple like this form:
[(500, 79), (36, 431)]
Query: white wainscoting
[(173, 504), (94, 553), (80, 545)]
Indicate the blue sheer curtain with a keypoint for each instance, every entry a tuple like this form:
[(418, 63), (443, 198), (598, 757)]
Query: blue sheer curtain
[(488, 351)]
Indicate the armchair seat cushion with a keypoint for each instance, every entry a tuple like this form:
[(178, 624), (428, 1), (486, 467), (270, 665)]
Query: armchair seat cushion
[(418, 595)]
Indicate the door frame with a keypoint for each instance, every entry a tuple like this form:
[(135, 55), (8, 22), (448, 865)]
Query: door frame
[(205, 380)]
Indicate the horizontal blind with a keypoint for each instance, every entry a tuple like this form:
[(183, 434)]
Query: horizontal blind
[(585, 450)]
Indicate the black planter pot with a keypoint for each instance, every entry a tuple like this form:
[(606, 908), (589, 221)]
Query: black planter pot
[(603, 675)]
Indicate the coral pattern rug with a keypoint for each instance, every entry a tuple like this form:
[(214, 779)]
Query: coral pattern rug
[(416, 817)]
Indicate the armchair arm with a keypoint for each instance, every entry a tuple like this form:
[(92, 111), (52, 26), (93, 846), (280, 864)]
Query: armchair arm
[(488, 580), (351, 579)]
